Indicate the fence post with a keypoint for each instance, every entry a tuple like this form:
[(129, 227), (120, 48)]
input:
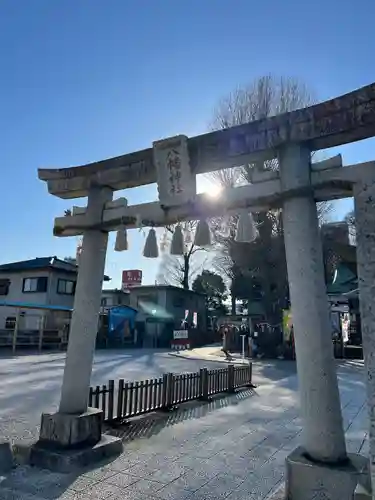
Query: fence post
[(168, 387), (15, 332), (231, 387), (203, 384), (170, 392), (104, 393), (41, 332), (111, 399), (165, 391), (120, 398), (250, 382)]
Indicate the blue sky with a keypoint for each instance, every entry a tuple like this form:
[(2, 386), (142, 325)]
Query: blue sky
[(82, 80)]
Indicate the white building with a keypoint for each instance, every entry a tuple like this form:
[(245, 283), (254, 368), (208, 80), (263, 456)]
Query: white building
[(43, 286)]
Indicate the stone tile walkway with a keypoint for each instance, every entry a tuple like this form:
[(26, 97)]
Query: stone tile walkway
[(233, 449), (31, 383), (208, 353)]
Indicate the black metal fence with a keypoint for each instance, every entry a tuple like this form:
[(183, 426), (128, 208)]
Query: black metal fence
[(130, 399)]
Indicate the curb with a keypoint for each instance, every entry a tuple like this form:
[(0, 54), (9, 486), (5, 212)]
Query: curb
[(196, 358)]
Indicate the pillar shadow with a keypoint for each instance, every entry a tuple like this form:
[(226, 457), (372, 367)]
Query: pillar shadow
[(25, 480), (29, 482)]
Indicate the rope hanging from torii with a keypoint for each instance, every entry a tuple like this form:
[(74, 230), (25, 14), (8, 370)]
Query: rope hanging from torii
[(177, 186)]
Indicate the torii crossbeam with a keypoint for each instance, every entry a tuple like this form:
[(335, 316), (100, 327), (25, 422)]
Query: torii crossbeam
[(344, 119)]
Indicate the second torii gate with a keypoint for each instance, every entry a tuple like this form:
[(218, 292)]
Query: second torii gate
[(322, 462)]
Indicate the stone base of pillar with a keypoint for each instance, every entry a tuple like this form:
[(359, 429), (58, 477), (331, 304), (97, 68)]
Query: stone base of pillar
[(277, 494), (306, 480), (361, 493), (6, 457), (69, 460), (70, 441), (70, 430)]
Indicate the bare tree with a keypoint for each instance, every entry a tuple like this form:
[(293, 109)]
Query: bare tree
[(263, 260), (350, 220), (171, 271), (263, 97), (180, 270), (227, 177), (224, 229)]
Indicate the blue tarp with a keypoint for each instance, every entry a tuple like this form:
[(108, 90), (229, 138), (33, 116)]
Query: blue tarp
[(117, 316)]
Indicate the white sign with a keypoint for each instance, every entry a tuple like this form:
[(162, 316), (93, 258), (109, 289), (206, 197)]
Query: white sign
[(130, 278), (180, 334), (340, 308), (176, 182)]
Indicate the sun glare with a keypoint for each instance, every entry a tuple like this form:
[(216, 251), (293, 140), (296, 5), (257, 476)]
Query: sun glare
[(208, 187), (214, 191)]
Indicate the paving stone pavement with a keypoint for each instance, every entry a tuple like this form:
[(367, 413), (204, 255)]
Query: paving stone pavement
[(31, 383), (236, 451)]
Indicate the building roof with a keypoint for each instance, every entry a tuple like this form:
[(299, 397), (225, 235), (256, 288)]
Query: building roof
[(353, 294), (165, 287), (346, 252), (27, 305), (38, 263), (120, 307), (53, 263), (345, 280)]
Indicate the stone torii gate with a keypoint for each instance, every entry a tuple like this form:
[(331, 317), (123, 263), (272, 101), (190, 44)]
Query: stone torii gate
[(321, 463)]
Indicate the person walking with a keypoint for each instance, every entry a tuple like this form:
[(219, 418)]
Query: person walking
[(226, 344)]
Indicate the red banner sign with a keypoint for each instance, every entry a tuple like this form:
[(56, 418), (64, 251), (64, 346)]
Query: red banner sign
[(130, 278)]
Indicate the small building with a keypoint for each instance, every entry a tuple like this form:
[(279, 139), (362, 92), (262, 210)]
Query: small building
[(38, 295), (113, 297), (45, 286), (162, 309), (343, 293)]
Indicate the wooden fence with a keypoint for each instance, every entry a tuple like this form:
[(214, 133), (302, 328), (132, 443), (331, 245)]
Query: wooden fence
[(33, 339), (130, 399)]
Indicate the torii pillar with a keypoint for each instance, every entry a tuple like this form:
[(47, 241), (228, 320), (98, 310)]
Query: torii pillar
[(76, 427), (364, 203), (323, 433), (85, 317)]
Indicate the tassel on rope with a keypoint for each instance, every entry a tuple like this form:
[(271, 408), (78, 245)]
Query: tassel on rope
[(138, 221), (187, 235), (151, 250), (177, 244), (225, 226), (202, 234), (246, 231), (121, 243), (78, 251)]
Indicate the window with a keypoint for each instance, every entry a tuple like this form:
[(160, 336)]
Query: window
[(178, 301), (4, 286), (150, 298), (107, 301), (31, 285), (66, 287), (10, 323), (256, 292)]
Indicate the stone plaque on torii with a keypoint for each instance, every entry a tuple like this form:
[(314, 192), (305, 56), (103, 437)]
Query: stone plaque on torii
[(296, 187)]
